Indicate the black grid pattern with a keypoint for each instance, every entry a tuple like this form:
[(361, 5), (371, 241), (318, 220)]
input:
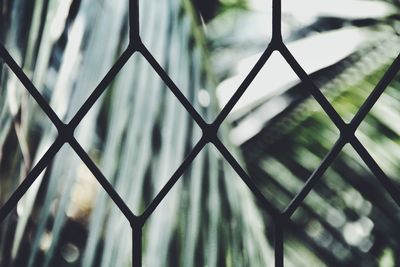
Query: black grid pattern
[(210, 130)]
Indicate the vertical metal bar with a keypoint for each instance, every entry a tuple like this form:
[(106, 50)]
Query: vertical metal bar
[(276, 21), (136, 246), (134, 25), (276, 43), (278, 243)]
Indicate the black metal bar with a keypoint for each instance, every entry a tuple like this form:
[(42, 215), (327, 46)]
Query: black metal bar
[(172, 87), (316, 93), (209, 132), (99, 90), (313, 179), (246, 179), (390, 187), (31, 88), (102, 180), (243, 86), (290, 224), (276, 22), (30, 179), (172, 181), (134, 25), (376, 93), (136, 246), (278, 243)]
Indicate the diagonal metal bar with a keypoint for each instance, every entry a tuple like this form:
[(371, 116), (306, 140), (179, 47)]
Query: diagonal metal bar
[(101, 87), (30, 179), (102, 180), (246, 178), (30, 87), (172, 86), (243, 86), (349, 129), (390, 187), (172, 181), (316, 93), (209, 132), (313, 179), (376, 93)]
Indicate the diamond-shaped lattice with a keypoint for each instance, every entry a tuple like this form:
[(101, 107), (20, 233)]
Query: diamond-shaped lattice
[(66, 132)]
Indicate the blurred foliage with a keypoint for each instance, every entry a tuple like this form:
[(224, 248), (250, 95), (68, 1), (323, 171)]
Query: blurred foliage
[(138, 134)]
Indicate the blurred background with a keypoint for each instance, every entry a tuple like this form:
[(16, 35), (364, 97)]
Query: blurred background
[(138, 133)]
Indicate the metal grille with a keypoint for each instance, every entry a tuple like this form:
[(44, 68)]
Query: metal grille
[(209, 133)]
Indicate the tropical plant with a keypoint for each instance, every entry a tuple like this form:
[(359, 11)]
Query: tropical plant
[(348, 219), (137, 134)]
